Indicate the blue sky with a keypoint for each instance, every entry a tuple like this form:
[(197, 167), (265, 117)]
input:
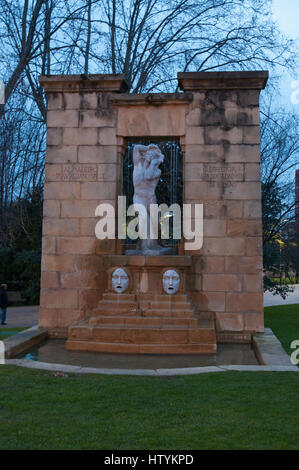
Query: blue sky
[(286, 13)]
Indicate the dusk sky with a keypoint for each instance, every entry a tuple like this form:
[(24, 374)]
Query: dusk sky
[(286, 13)]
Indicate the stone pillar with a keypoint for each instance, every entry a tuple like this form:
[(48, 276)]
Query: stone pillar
[(80, 173), (222, 171)]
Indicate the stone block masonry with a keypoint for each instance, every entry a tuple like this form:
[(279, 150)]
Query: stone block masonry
[(216, 120)]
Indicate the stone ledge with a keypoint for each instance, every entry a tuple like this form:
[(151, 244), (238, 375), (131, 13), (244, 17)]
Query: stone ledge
[(233, 337), (145, 372), (199, 81), (84, 83), (138, 260), (156, 99), (269, 350), (261, 368), (25, 339)]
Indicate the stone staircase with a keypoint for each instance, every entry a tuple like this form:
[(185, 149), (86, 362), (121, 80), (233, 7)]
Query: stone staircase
[(144, 324)]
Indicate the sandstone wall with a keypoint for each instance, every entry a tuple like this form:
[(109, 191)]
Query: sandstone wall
[(222, 170), (217, 122)]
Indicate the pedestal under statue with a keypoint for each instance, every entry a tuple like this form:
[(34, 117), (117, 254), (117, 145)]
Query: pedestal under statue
[(146, 174)]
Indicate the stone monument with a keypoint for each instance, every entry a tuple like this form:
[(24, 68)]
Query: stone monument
[(102, 297)]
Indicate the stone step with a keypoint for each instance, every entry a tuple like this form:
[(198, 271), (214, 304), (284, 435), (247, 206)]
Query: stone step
[(113, 303), (143, 321), (163, 297), (155, 304), (142, 335), (115, 309), (106, 347), (119, 310), (160, 312), (151, 335), (81, 331), (118, 297)]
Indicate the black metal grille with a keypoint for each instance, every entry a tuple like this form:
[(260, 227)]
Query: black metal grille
[(170, 187)]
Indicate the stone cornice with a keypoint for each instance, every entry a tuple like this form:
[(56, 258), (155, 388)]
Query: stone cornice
[(141, 260), (156, 99), (84, 83), (200, 81), (188, 82)]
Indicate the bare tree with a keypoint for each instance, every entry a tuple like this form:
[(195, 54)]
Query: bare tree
[(21, 33), (22, 145), (146, 40), (279, 158), (27, 28), (88, 38), (149, 40)]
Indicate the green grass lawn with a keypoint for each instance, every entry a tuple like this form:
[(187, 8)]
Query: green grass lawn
[(284, 322), (6, 332), (225, 410)]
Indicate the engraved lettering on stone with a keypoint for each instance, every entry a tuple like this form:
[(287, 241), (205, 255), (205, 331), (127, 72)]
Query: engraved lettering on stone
[(219, 176), (79, 173)]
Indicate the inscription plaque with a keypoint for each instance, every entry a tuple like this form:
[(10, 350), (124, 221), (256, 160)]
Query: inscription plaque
[(218, 175), (79, 173)]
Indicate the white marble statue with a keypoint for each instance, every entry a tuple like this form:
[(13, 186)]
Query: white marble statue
[(146, 174), (171, 281), (120, 280)]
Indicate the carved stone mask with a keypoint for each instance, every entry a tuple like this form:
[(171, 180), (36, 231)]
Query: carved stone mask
[(120, 280), (171, 281)]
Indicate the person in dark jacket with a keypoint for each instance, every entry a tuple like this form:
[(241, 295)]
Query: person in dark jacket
[(3, 303)]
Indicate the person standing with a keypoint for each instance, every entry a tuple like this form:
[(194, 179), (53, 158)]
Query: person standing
[(3, 303)]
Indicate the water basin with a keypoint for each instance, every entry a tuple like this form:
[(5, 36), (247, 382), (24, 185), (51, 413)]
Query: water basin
[(54, 351)]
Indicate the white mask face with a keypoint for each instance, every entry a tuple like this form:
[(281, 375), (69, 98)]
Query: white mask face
[(120, 280), (171, 281)]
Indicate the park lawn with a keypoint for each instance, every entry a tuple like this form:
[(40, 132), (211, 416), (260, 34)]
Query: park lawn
[(284, 322), (223, 410), (6, 332)]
